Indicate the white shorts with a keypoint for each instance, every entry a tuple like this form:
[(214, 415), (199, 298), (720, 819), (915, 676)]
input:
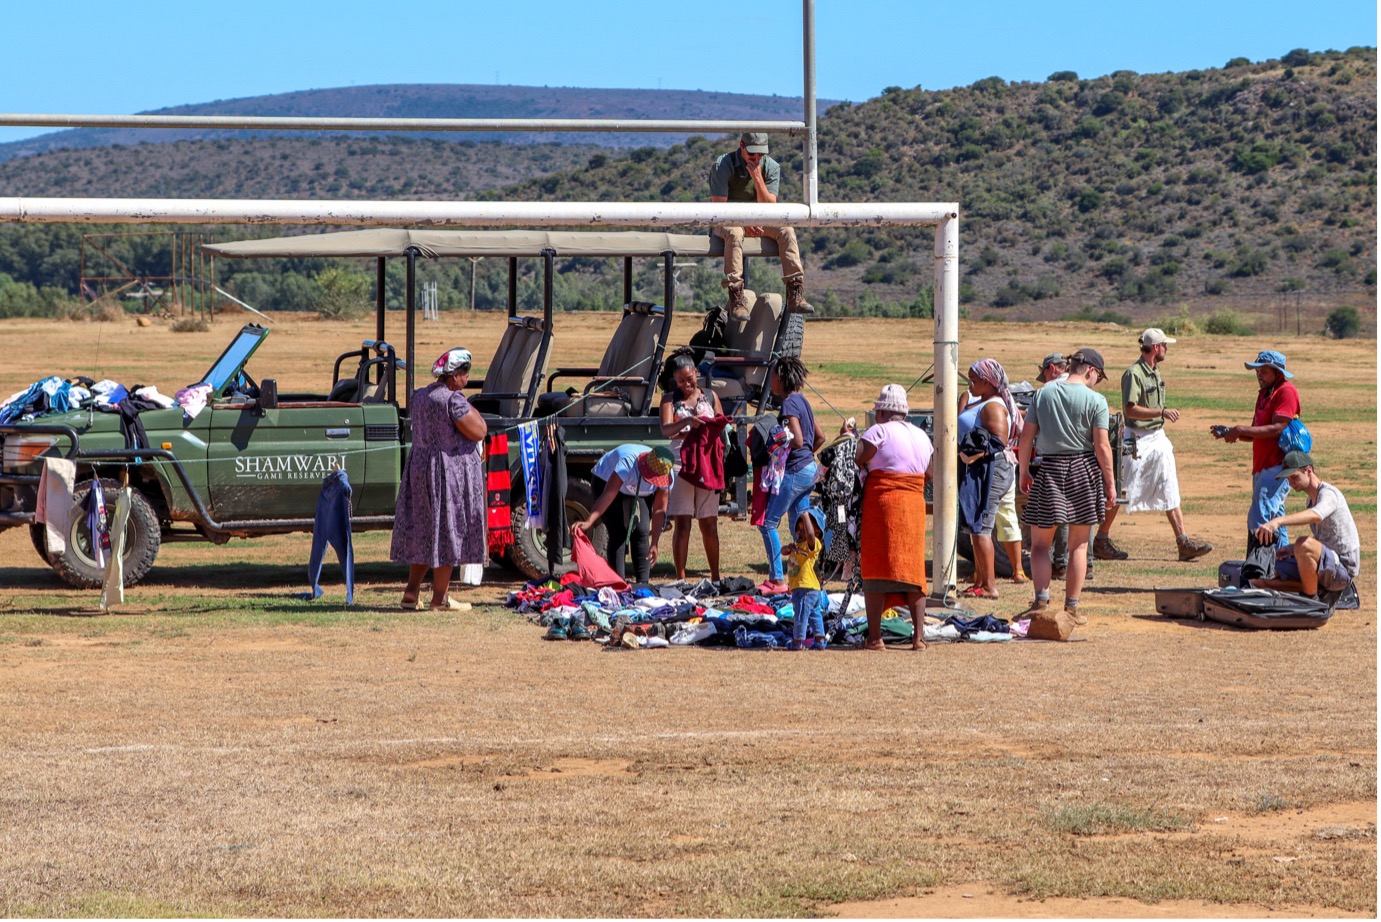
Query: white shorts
[(1007, 528), (688, 499), (1150, 479)]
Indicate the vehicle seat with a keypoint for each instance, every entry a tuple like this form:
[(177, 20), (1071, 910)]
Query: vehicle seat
[(346, 390), (752, 339), (513, 367), (630, 355)]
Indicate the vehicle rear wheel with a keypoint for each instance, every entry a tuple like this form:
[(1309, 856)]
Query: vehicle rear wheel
[(528, 552), (77, 565)]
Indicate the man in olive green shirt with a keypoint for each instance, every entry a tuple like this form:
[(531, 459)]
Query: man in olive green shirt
[(1148, 472), (749, 175)]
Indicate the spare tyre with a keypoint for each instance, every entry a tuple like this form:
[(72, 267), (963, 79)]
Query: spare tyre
[(77, 564)]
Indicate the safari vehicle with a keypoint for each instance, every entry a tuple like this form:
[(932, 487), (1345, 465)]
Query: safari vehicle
[(253, 461)]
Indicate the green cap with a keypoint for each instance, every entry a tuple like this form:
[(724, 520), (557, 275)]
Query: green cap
[(1294, 461), (755, 142)]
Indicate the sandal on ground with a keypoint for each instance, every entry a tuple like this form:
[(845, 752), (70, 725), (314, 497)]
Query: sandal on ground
[(978, 592), (452, 605), (405, 605)]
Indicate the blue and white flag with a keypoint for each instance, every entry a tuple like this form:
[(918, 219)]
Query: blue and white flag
[(530, 449)]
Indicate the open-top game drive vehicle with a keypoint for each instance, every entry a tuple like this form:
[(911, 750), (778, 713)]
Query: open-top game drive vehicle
[(252, 462)]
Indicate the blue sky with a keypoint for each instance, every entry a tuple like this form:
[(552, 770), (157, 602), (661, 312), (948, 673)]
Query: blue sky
[(105, 57)]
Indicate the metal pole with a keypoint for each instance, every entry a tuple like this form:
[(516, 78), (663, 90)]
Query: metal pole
[(470, 214), (512, 286), (628, 280), (474, 267), (811, 177), (380, 282), (412, 317), (945, 463), (282, 123)]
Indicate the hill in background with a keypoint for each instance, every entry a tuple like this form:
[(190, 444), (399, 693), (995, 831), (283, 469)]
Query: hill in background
[(447, 100), (1247, 188)]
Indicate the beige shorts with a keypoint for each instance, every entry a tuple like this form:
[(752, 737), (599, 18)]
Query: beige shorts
[(1006, 528), (688, 499)]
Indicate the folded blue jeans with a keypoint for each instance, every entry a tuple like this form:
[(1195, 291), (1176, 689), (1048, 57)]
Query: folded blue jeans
[(793, 497)]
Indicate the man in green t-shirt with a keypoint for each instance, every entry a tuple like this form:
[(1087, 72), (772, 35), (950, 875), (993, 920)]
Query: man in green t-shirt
[(1148, 472), (749, 175)]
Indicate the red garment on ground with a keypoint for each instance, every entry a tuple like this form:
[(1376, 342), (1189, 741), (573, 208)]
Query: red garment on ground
[(594, 570), (702, 454), (750, 605), (1283, 401)]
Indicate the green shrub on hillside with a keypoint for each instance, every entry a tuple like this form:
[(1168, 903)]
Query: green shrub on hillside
[(1343, 322), (1226, 323)]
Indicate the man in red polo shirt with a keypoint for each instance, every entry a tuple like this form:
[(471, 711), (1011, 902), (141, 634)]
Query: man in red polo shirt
[(1276, 404)]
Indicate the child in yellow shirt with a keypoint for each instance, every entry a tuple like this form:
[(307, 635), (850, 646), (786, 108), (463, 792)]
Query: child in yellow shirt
[(801, 556)]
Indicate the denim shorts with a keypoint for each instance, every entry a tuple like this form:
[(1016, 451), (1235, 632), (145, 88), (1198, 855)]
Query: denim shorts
[(1333, 576)]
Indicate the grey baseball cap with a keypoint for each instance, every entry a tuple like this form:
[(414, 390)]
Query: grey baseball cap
[(755, 142)]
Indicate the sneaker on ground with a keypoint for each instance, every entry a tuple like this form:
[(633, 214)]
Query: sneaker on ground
[(558, 629), (1104, 549), (577, 630)]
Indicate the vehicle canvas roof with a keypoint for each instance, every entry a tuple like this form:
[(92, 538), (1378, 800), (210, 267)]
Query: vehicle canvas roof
[(385, 242)]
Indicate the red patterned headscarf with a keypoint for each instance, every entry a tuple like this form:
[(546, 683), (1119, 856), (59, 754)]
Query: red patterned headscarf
[(991, 372)]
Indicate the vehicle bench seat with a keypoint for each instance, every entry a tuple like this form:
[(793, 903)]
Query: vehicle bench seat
[(631, 354), (739, 373), (513, 368)]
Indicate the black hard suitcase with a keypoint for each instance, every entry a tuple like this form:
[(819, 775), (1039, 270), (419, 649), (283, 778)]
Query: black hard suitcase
[(1264, 609)]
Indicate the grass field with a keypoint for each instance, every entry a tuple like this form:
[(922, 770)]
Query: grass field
[(217, 748)]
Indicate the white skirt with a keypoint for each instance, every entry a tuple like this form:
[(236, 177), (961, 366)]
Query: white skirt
[(1150, 479)]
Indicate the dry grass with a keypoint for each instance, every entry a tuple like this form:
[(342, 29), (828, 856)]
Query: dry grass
[(219, 749)]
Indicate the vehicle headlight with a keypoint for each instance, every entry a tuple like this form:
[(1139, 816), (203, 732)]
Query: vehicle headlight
[(21, 451)]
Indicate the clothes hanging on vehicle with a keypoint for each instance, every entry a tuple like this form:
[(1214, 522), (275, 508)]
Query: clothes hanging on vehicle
[(130, 426), (498, 482), (113, 589), (553, 498), (96, 524), (332, 526), (529, 451), (53, 507)]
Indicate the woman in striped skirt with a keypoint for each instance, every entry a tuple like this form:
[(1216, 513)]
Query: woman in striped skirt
[(1073, 481)]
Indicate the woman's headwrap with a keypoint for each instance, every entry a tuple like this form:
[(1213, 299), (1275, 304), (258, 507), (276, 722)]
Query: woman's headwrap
[(989, 371), (451, 362)]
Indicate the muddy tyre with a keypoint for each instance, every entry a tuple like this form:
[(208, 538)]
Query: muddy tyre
[(793, 337), (76, 565), (528, 552)]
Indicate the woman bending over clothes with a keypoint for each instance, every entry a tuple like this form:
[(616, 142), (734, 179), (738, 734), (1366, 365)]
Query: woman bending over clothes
[(989, 431), (895, 457), (693, 422), (623, 479), (788, 376), (439, 521)]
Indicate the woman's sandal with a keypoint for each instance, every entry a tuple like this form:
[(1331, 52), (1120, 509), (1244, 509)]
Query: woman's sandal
[(452, 605), (405, 605), (978, 592)]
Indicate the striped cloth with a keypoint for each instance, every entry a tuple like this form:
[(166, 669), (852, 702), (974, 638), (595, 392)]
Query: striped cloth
[(1067, 490), (497, 484)]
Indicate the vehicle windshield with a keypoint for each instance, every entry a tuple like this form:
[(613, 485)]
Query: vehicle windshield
[(234, 358)]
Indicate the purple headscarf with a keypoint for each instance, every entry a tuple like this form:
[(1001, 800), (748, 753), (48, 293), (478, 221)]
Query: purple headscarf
[(989, 371)]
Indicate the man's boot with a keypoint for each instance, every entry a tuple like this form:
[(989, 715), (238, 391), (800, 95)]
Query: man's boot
[(1104, 549), (1192, 548), (738, 304), (796, 296)]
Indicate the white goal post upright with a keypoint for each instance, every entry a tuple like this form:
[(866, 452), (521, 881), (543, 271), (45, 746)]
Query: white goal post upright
[(943, 217)]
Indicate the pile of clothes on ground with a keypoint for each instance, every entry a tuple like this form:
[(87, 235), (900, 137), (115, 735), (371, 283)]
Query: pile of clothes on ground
[(725, 614)]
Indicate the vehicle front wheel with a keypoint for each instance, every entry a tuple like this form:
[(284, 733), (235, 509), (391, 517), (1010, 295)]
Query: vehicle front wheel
[(528, 552), (77, 565), (38, 534)]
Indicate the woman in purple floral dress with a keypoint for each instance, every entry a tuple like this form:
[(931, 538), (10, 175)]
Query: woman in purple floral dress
[(439, 522)]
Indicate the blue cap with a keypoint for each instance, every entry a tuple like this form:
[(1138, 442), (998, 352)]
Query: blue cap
[(817, 515), (1272, 358)]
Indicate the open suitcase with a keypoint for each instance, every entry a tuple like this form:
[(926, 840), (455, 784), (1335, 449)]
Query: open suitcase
[(1264, 609)]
